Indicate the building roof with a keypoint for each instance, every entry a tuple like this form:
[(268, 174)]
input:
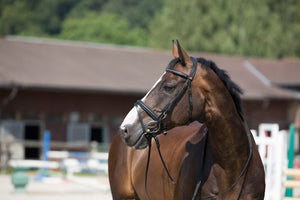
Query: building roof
[(56, 64), (284, 72)]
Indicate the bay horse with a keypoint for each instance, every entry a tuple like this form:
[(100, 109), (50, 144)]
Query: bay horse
[(208, 153)]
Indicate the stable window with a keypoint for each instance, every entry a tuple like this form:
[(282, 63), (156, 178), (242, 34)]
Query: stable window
[(78, 133), (30, 116), (97, 134), (26, 132), (85, 133), (12, 128), (74, 117), (32, 153), (32, 132), (94, 118), (32, 137), (54, 118), (8, 115)]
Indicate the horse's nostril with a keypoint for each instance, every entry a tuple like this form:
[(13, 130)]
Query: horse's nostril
[(124, 131)]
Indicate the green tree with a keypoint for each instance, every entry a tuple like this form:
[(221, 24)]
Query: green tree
[(17, 18), (230, 27), (50, 14), (266, 28), (106, 27), (85, 6), (290, 20), (138, 12), (33, 17)]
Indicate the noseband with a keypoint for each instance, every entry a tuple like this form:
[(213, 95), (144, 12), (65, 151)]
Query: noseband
[(157, 124)]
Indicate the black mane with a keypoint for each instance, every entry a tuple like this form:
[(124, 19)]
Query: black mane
[(234, 90)]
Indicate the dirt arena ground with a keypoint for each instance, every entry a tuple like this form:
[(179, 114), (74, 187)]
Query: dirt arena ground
[(81, 188)]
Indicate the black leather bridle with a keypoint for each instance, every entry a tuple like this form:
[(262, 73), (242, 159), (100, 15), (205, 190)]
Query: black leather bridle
[(157, 124)]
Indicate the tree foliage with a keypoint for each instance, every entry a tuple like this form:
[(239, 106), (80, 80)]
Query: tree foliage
[(230, 27), (84, 7), (15, 17), (138, 12), (106, 27), (265, 28)]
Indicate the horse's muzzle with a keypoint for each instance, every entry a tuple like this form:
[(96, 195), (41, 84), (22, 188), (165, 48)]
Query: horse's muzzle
[(139, 141)]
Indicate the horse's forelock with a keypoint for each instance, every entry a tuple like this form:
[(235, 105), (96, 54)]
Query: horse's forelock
[(172, 63)]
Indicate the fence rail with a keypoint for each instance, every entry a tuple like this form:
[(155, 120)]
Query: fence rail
[(272, 145)]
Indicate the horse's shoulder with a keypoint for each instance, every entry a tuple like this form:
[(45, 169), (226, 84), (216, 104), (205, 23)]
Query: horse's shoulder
[(119, 170)]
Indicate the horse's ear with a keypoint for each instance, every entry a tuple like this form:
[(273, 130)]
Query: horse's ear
[(185, 59), (175, 50)]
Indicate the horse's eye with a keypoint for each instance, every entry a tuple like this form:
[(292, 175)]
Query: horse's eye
[(168, 88)]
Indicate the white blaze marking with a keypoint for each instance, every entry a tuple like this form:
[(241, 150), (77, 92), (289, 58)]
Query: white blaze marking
[(132, 116), (144, 98)]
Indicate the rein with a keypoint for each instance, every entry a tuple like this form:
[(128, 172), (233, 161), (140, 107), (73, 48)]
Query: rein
[(151, 132), (244, 171)]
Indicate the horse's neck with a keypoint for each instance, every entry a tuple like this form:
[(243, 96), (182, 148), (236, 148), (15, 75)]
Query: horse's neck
[(229, 142), (227, 133)]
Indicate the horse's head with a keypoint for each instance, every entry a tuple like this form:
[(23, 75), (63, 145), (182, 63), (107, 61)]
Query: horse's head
[(168, 104)]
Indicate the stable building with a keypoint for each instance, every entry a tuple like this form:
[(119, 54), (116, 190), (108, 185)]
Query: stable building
[(80, 92)]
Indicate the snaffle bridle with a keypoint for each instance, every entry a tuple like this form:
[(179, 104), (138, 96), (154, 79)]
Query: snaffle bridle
[(150, 131), (158, 119)]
